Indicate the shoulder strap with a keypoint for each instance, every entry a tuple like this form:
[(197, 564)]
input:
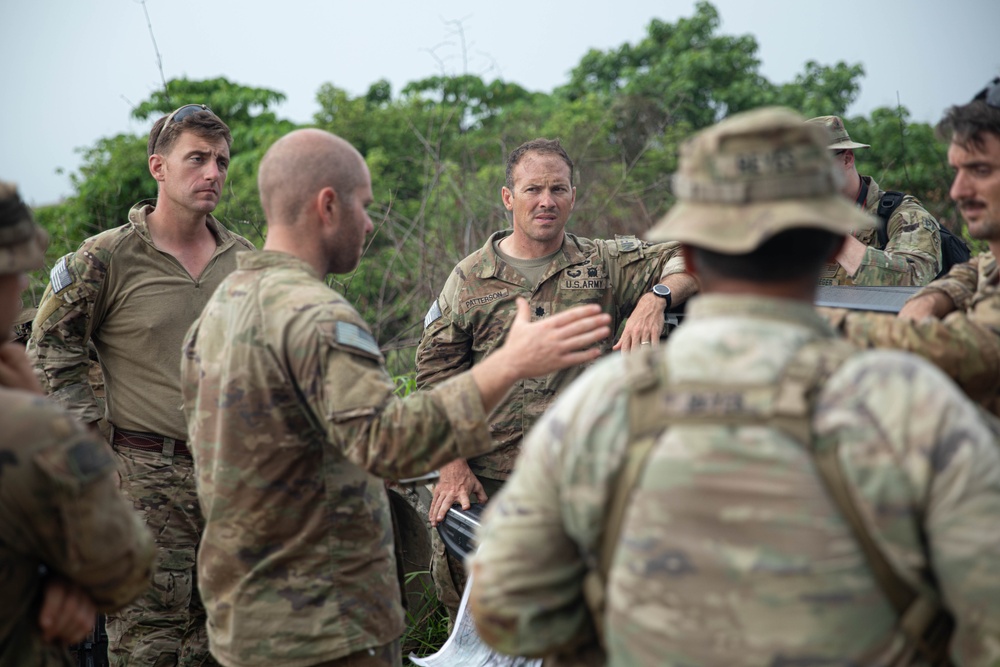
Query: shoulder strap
[(641, 369), (887, 205)]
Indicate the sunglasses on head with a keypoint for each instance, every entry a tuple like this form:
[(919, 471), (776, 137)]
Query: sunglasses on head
[(990, 94), (178, 115)]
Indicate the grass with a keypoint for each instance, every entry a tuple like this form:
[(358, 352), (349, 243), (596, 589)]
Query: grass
[(426, 620)]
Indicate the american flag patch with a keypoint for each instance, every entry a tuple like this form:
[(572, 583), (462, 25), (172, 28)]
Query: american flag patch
[(433, 314), (351, 335), (59, 277)]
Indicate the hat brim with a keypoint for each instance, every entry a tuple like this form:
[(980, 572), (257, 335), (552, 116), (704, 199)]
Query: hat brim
[(845, 144), (26, 256), (736, 229)]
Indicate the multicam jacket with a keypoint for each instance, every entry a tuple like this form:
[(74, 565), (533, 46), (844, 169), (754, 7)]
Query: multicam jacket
[(135, 302), (59, 508), (731, 551), (471, 317), (965, 344), (292, 415), (912, 255)]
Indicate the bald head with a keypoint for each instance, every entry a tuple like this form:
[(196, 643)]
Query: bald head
[(299, 165)]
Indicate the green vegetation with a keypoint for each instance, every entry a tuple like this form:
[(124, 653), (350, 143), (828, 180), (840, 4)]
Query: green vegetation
[(436, 151)]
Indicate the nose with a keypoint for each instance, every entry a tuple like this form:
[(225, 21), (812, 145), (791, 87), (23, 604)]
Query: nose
[(547, 200), (960, 187), (212, 170), (369, 227)]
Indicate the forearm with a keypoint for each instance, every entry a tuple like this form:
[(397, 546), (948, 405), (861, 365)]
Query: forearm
[(884, 267), (414, 435), (967, 351), (682, 287)]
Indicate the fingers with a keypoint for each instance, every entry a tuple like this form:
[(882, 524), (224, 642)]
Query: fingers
[(67, 614)]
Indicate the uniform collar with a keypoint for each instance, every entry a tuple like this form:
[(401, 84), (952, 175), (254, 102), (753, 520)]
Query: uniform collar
[(269, 259), (493, 265), (137, 216), (762, 307)]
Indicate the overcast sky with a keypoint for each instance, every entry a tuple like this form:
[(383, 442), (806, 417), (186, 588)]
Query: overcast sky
[(70, 70)]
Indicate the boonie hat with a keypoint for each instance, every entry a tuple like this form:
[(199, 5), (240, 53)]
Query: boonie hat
[(753, 176), (22, 242), (841, 139)]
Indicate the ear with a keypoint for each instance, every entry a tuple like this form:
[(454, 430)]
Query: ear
[(572, 202), (328, 205), (157, 166), (507, 196), (849, 158)]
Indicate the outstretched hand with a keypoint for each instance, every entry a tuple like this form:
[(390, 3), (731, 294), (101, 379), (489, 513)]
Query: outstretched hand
[(534, 349)]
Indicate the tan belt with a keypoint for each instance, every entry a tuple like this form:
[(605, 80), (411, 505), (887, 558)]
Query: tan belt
[(150, 442)]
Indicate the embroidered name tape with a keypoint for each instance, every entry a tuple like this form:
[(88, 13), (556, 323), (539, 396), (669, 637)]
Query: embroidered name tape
[(351, 335)]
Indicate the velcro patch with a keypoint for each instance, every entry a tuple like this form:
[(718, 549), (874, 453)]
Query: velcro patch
[(351, 335), (88, 460), (433, 314), (627, 243), (59, 276)]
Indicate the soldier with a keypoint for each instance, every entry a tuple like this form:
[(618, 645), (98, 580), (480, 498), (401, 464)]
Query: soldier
[(69, 543), (911, 251), (955, 321), (133, 291), (292, 414), (539, 261), (717, 543)]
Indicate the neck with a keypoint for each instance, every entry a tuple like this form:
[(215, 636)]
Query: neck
[(287, 240), (795, 291), (853, 187), (171, 226), (520, 247), (994, 247)]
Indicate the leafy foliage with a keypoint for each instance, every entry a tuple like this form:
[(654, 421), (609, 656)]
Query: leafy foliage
[(436, 152)]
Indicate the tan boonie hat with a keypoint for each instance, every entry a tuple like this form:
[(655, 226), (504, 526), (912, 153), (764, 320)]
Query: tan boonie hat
[(752, 176), (22, 242), (841, 139)]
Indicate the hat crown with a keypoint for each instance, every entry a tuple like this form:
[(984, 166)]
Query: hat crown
[(22, 242), (758, 156)]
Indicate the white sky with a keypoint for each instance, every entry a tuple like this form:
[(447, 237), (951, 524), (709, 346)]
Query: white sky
[(71, 69)]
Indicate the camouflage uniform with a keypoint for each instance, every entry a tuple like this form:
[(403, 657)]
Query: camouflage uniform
[(60, 511), (912, 256), (965, 344), (59, 507), (135, 303), (731, 551), (471, 317), (291, 416)]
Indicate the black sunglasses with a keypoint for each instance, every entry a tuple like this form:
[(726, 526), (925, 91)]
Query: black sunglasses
[(990, 94), (178, 115)]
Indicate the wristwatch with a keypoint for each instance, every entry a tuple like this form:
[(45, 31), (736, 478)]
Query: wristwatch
[(664, 292)]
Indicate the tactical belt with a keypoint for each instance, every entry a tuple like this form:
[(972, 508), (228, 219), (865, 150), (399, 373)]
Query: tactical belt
[(150, 442)]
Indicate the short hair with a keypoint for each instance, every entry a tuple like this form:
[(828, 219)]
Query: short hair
[(205, 124), (790, 255), (543, 146), (966, 124)]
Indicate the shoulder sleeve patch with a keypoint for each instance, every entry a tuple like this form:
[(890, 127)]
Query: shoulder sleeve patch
[(627, 243), (433, 314), (60, 277), (351, 335)]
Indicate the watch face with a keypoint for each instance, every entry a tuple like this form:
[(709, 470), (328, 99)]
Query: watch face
[(661, 290)]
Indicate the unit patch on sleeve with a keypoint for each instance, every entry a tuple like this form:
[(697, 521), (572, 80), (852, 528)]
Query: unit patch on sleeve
[(433, 314), (59, 277), (351, 335)]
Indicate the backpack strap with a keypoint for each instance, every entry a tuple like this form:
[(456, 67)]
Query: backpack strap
[(887, 205), (787, 406), (641, 369)]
